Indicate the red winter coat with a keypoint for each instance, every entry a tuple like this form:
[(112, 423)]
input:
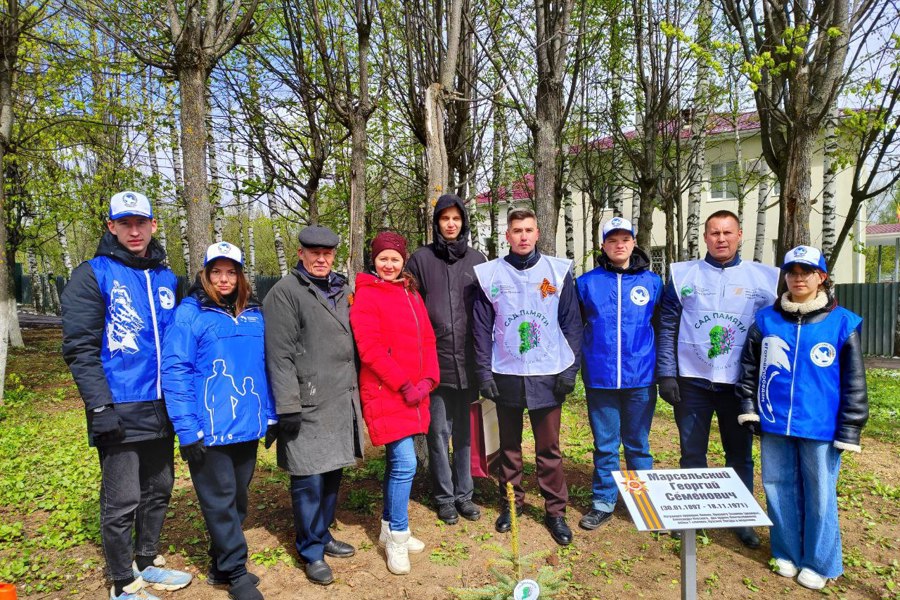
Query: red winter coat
[(396, 345)]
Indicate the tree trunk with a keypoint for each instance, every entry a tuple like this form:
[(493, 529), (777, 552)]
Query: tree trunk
[(37, 298), (636, 213), (585, 232), (64, 247), (215, 190), (546, 182), (741, 180), (15, 332), (435, 152), (763, 201), (829, 189), (272, 203), (359, 146), (192, 87), (175, 144), (795, 195), (569, 223)]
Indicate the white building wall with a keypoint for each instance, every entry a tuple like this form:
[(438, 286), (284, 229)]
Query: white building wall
[(849, 268)]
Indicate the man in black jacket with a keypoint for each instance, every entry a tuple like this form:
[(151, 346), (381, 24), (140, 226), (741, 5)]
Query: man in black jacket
[(446, 276), (527, 328), (115, 310)]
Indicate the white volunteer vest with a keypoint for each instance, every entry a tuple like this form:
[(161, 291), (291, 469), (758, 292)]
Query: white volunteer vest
[(527, 336), (719, 306)]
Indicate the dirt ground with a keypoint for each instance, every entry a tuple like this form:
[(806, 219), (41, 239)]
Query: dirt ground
[(614, 561)]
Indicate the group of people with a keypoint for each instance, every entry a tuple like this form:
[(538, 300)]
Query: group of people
[(409, 350)]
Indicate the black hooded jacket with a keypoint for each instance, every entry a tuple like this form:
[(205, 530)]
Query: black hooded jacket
[(446, 275)]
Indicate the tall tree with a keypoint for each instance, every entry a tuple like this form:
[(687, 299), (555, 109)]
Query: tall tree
[(186, 40), (795, 54)]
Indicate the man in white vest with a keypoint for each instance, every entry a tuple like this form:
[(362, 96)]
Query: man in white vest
[(527, 329), (707, 309)]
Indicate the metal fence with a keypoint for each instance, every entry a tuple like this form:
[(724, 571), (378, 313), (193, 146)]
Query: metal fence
[(876, 303)]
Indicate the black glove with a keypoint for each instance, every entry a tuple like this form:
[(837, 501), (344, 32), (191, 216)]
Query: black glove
[(668, 390), (752, 427), (289, 424), (106, 426), (489, 390), (193, 453), (271, 435), (563, 386)]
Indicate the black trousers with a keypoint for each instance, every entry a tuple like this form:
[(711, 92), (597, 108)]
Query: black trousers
[(222, 480)]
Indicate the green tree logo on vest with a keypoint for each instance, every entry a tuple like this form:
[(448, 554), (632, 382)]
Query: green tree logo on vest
[(529, 336), (686, 291), (494, 291), (721, 341)]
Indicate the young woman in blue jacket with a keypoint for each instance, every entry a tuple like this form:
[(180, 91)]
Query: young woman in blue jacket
[(217, 396), (803, 388)]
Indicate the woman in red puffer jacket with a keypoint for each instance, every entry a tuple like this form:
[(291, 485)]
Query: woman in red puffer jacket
[(398, 372)]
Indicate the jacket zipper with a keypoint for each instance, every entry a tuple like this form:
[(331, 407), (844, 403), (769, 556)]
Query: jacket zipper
[(155, 335), (794, 376), (421, 348), (619, 333), (224, 312)]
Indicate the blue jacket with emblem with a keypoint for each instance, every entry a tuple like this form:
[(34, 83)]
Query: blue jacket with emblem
[(214, 367), (116, 308), (618, 308), (802, 375)]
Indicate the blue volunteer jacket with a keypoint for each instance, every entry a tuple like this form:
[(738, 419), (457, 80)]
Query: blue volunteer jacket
[(619, 349), (800, 374), (215, 373)]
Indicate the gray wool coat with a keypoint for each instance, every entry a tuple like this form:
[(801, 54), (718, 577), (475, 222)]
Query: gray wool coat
[(311, 362)]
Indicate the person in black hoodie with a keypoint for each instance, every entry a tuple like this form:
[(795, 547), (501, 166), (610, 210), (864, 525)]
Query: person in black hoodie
[(115, 310), (446, 276)]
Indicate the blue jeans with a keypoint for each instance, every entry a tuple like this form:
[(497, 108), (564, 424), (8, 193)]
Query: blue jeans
[(800, 479), (693, 415), (618, 417), (398, 478)]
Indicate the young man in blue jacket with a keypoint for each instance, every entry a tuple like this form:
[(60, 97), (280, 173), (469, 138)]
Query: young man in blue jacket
[(115, 310), (618, 302)]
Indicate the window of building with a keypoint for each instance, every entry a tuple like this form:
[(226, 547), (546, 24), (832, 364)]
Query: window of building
[(723, 184), (658, 262)]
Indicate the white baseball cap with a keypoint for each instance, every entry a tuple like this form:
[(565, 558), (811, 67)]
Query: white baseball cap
[(224, 250), (615, 224), (129, 204), (807, 256)]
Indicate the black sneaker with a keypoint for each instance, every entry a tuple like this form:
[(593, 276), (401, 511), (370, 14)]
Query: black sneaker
[(594, 519), (447, 513), (469, 510), (216, 577)]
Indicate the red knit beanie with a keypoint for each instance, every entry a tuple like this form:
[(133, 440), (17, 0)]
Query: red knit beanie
[(389, 240)]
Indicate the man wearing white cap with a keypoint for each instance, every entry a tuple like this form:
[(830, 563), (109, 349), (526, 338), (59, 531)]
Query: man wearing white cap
[(115, 310), (708, 306), (618, 301)]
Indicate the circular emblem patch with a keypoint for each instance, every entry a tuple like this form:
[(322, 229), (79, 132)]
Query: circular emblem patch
[(823, 354), (166, 298), (527, 589), (129, 200), (640, 295), (224, 247)]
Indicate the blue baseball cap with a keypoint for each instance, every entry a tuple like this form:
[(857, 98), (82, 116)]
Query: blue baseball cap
[(223, 250)]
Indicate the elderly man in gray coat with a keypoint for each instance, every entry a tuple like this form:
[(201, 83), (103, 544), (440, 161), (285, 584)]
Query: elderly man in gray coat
[(310, 357)]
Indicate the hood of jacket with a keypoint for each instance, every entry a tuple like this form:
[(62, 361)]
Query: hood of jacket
[(109, 246), (450, 250), (639, 262)]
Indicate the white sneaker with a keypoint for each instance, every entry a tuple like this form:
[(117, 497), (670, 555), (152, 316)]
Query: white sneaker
[(397, 553), (811, 579), (785, 568), (133, 591), (414, 545)]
